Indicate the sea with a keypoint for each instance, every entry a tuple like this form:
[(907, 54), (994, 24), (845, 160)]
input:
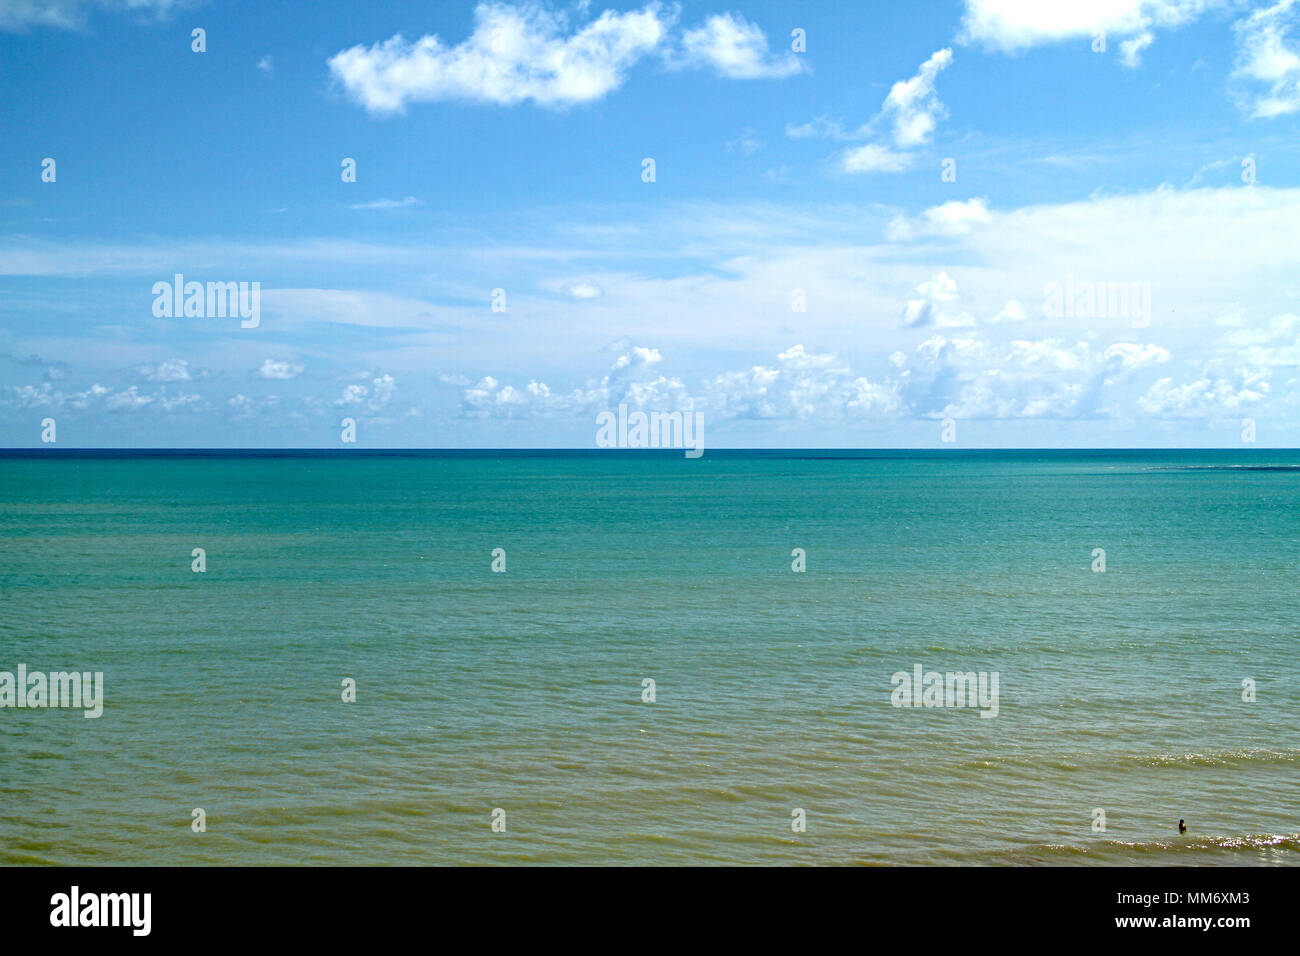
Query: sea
[(635, 658)]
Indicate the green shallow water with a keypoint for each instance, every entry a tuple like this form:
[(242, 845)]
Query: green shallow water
[(522, 690)]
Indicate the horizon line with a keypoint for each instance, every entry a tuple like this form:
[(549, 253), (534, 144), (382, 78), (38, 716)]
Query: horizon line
[(218, 449)]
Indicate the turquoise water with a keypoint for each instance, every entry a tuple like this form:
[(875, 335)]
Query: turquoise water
[(523, 690)]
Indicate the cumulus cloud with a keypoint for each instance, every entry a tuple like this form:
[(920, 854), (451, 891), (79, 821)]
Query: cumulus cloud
[(938, 306), (374, 396), (912, 105), (130, 399), (171, 370), (1205, 397), (1009, 26), (799, 385), (933, 308), (965, 377), (912, 110), (971, 378), (245, 406), (277, 370), (515, 54), (736, 48), (47, 396), (632, 379), (953, 218), (532, 53)]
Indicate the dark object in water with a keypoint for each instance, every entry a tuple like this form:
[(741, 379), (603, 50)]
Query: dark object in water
[(1182, 827)]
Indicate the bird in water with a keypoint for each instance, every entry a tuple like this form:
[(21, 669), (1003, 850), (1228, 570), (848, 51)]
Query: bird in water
[(1182, 827)]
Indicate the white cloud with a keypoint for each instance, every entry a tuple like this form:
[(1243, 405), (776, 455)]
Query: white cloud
[(277, 370), (244, 406), (1270, 344), (515, 54), (1130, 51), (932, 308), (971, 378), (1266, 75), (47, 396), (1205, 397), (913, 106), (169, 403), (874, 158), (265, 65), (912, 109), (382, 389), (352, 395), (1010, 26), (1011, 311), (530, 52), (585, 290), (374, 396), (171, 370), (967, 377), (711, 268), (953, 218), (802, 385), (389, 203), (73, 14), (130, 399), (821, 127), (1130, 356), (736, 48), (631, 380)]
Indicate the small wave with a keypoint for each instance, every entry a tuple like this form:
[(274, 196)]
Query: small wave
[(1223, 468), (1219, 758), (1253, 841), (1151, 851)]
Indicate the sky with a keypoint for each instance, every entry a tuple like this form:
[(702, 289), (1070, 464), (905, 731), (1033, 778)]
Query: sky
[(867, 224)]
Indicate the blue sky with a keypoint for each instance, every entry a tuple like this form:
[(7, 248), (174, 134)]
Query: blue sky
[(501, 146)]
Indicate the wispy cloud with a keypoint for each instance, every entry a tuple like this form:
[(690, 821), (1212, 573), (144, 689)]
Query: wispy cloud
[(910, 112), (406, 203), (1266, 76), (73, 14)]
